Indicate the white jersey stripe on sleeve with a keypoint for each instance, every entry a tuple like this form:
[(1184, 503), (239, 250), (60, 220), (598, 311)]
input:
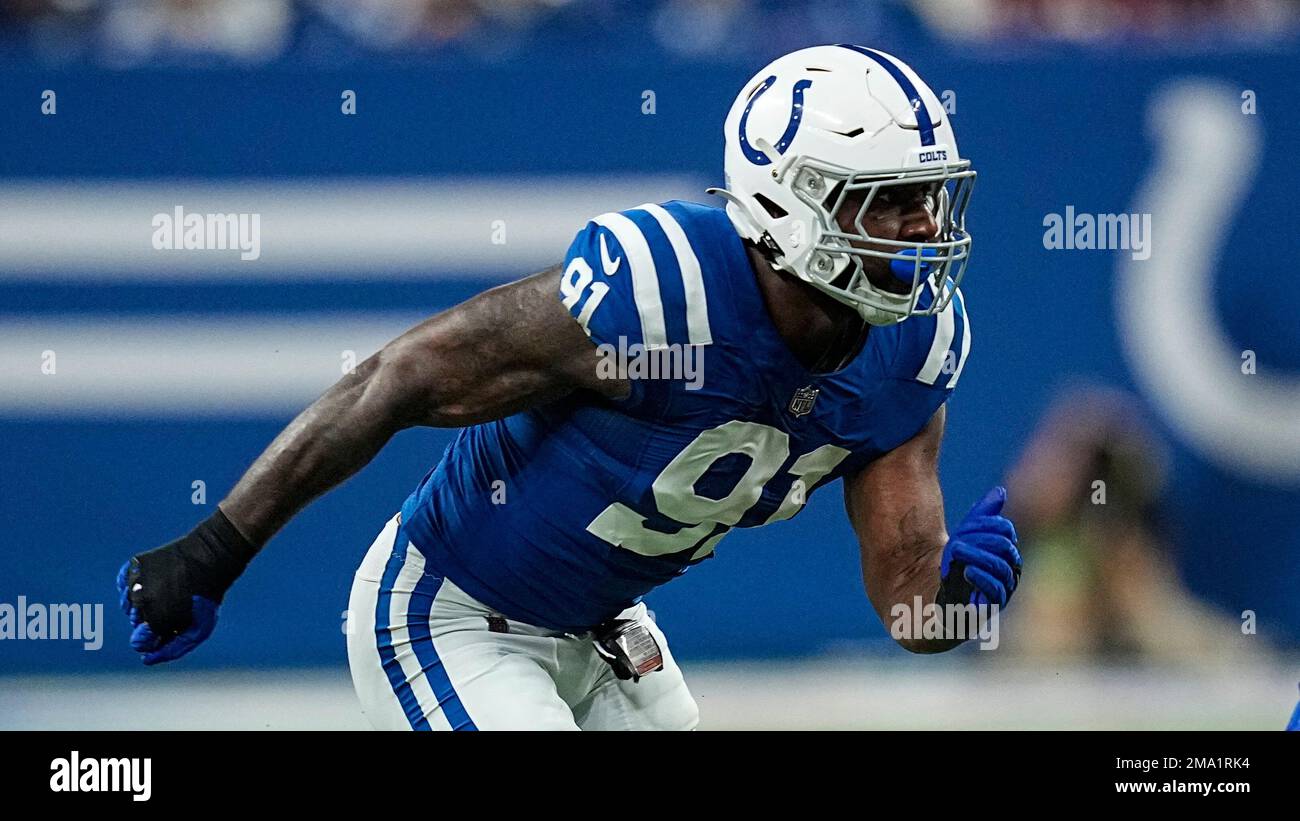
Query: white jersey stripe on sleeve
[(645, 280), (943, 334), (697, 306), (965, 340)]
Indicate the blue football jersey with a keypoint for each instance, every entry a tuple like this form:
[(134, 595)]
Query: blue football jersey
[(568, 513)]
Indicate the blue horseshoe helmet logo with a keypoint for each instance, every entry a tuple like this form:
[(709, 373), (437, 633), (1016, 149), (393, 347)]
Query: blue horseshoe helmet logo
[(791, 128)]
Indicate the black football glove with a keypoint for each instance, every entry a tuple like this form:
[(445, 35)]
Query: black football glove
[(171, 594)]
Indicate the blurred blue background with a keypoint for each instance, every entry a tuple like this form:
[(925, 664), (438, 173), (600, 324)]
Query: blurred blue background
[(476, 113)]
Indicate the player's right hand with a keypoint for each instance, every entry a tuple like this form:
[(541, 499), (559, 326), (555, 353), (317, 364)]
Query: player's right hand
[(171, 594)]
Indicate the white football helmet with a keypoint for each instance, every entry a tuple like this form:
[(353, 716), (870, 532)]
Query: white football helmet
[(820, 123)]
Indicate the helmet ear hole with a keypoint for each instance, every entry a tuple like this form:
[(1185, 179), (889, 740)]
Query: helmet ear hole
[(773, 210)]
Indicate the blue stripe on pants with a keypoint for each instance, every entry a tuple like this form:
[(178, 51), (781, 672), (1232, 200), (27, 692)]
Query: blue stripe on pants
[(421, 642), (384, 635)]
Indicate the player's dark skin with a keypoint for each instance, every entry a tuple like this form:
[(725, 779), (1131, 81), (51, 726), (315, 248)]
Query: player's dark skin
[(516, 346)]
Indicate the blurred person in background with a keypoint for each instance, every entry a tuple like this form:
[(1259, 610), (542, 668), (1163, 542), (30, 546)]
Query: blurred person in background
[(1087, 495), (125, 33), (1102, 21), (391, 24)]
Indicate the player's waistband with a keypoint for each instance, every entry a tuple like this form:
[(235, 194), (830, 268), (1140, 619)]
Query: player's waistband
[(454, 601)]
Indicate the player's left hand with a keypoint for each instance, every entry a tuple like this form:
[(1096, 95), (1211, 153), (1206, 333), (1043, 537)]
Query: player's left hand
[(981, 563)]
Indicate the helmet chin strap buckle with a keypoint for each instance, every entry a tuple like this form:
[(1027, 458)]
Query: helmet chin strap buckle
[(769, 246)]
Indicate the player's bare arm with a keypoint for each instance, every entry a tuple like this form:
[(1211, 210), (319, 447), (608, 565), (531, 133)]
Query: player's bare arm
[(505, 350), (908, 556), (896, 508), (501, 352)]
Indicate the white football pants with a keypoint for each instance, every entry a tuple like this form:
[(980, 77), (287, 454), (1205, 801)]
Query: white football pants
[(423, 657)]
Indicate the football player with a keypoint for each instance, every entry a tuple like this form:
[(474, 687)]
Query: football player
[(822, 308)]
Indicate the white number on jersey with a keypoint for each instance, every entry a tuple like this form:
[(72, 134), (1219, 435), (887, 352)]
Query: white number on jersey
[(576, 281), (675, 496)]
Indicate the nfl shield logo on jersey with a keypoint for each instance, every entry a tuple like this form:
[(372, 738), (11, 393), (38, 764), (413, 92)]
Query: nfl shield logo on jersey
[(803, 399)]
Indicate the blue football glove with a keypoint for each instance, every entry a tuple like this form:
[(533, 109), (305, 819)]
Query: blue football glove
[(1294, 724), (171, 595), (981, 563)]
